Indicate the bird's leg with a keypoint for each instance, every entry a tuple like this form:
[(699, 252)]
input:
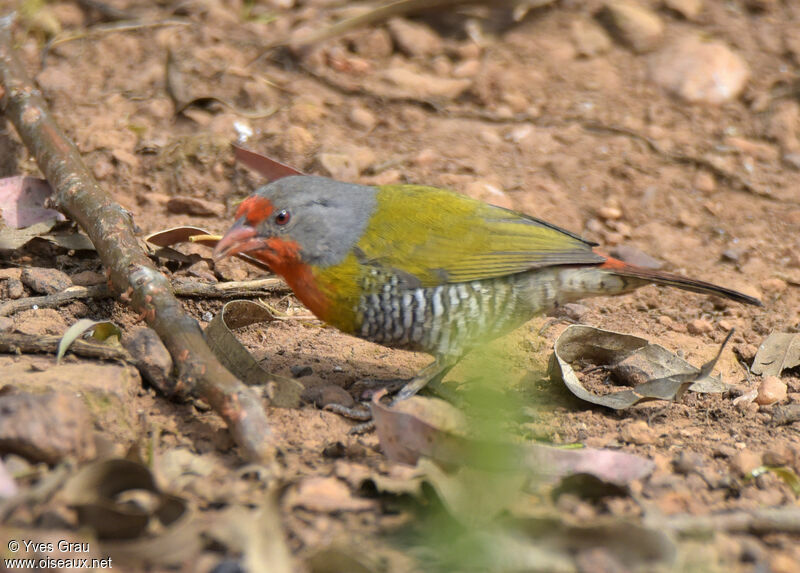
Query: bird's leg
[(430, 376)]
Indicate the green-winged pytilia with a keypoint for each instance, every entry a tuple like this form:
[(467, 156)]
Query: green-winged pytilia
[(422, 268)]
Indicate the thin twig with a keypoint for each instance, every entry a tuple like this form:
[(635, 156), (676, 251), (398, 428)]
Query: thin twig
[(253, 288), (132, 274), (15, 343), (758, 521)]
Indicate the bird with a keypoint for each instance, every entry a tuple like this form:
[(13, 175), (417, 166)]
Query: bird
[(425, 269)]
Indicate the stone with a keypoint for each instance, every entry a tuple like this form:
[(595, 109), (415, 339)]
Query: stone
[(773, 285), (632, 24), (590, 40), (771, 390), (638, 432), (414, 39), (704, 182), (422, 86), (12, 289), (744, 462), (46, 427), (88, 278), (374, 44), (699, 326), (151, 357), (689, 9), (298, 140), (700, 71), (183, 205), (39, 321), (362, 118), (45, 281), (321, 396)]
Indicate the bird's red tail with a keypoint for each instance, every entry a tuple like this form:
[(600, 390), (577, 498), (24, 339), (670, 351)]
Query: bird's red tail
[(660, 277)]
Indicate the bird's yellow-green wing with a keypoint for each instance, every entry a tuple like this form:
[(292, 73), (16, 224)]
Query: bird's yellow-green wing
[(439, 236)]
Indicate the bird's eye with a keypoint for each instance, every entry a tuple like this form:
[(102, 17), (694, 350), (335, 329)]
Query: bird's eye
[(283, 217)]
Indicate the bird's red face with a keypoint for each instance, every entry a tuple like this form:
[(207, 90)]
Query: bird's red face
[(251, 234)]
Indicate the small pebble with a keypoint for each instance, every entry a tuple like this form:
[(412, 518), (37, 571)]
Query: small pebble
[(638, 432), (699, 326), (688, 462), (183, 205), (362, 118), (771, 390), (297, 140), (778, 455), (6, 324), (45, 281), (88, 278), (298, 371), (773, 285), (705, 182), (744, 462), (14, 288), (632, 24), (609, 213)]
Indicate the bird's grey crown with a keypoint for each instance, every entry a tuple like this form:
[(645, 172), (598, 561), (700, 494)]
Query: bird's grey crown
[(327, 217)]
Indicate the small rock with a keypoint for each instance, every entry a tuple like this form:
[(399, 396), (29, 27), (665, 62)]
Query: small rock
[(6, 324), (665, 321), (589, 39), (321, 396), (298, 371), (575, 311), (771, 390), (422, 86), (183, 205), (744, 462), (778, 455), (39, 321), (632, 24), (688, 462), (152, 358), (298, 140), (689, 9), (326, 494), (341, 166), (13, 289), (700, 71), (746, 351), (426, 157), (705, 182), (609, 213), (638, 432), (773, 285), (45, 281), (699, 326), (88, 278), (306, 111), (414, 39), (46, 427), (467, 69), (373, 44), (362, 118)]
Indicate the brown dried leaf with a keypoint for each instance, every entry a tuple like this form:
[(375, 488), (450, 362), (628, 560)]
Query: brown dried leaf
[(780, 351), (235, 357), (667, 376)]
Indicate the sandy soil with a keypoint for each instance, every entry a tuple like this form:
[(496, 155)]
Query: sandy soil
[(533, 122)]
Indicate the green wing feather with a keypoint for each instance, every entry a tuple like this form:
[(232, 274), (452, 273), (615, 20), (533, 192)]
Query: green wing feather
[(439, 236)]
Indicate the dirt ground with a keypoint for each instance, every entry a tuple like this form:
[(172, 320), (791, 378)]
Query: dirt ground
[(552, 115)]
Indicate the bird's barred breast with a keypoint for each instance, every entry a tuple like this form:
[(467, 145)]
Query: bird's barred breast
[(449, 319), (440, 320)]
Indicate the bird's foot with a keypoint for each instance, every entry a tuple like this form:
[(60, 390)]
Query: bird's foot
[(429, 378)]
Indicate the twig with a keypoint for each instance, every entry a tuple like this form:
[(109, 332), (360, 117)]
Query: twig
[(253, 288), (15, 343), (131, 272), (125, 26), (680, 157), (757, 521)]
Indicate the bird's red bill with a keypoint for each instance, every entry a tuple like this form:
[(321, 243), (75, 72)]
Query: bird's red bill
[(239, 239)]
